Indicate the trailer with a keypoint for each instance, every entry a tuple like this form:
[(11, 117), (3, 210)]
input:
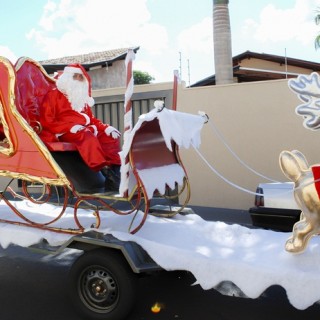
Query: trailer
[(102, 281)]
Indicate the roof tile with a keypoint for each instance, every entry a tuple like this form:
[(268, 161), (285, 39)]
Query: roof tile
[(89, 58)]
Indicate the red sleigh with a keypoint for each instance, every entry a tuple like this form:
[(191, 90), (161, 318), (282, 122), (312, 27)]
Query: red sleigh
[(58, 166)]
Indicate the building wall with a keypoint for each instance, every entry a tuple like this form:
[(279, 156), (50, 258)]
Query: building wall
[(270, 65), (111, 77), (257, 121)]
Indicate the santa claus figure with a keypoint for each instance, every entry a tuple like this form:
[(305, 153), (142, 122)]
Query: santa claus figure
[(66, 116)]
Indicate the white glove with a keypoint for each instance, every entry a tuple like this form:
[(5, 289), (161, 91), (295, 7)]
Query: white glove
[(93, 129), (113, 132), (76, 128)]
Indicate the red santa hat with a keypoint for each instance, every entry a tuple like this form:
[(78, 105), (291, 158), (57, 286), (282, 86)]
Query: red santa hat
[(78, 68)]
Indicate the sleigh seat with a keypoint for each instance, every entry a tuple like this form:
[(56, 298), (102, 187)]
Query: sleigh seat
[(30, 83)]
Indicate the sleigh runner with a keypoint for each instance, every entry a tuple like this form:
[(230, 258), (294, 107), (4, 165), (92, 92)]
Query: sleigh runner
[(151, 164)]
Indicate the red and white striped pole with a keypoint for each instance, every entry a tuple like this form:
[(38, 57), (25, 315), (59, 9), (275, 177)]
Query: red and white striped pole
[(128, 121), (128, 94)]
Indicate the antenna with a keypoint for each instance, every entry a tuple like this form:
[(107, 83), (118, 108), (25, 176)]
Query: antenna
[(180, 67), (286, 62), (188, 71)]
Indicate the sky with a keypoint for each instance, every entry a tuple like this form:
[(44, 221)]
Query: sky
[(172, 34)]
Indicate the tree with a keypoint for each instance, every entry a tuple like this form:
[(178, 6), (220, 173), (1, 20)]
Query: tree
[(317, 21), (222, 42), (141, 77)]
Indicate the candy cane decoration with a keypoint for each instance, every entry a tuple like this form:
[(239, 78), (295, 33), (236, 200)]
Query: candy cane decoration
[(128, 94), (127, 119)]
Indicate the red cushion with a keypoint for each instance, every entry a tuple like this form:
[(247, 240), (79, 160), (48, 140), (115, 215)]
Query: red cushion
[(60, 146)]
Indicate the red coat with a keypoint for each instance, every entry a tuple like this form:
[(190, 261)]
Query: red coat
[(57, 118)]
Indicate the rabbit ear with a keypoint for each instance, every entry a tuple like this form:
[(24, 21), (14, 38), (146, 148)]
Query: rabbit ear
[(290, 166), (301, 159)]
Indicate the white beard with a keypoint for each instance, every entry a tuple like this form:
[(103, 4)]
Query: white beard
[(76, 91)]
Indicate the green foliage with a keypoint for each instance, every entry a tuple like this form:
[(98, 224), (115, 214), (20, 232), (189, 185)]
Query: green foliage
[(141, 77), (217, 2)]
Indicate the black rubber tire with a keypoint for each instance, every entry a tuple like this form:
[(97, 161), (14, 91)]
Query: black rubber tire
[(102, 286)]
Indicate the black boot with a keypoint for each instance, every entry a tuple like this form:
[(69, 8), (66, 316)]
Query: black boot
[(112, 175)]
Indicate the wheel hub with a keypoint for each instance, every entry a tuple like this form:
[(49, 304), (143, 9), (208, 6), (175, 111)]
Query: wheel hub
[(99, 289)]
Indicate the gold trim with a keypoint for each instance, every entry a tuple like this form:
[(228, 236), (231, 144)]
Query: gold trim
[(22, 60), (61, 179), (31, 178), (10, 150)]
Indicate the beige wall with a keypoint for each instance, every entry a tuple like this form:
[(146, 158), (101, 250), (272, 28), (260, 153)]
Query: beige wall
[(145, 88), (258, 121), (270, 65)]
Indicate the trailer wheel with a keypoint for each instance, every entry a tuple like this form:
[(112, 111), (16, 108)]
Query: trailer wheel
[(102, 285)]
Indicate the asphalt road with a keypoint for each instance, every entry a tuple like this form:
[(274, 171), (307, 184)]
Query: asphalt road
[(33, 287)]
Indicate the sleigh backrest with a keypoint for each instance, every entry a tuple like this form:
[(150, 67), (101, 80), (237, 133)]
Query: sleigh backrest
[(33, 83), (156, 166), (149, 149)]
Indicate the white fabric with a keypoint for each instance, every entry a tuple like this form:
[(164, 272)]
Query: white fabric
[(181, 127), (73, 70), (86, 117), (157, 178)]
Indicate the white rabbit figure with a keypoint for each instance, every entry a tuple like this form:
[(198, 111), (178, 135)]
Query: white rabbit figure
[(295, 167)]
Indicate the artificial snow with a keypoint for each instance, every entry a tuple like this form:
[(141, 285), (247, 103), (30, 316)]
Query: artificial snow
[(158, 178), (253, 259)]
